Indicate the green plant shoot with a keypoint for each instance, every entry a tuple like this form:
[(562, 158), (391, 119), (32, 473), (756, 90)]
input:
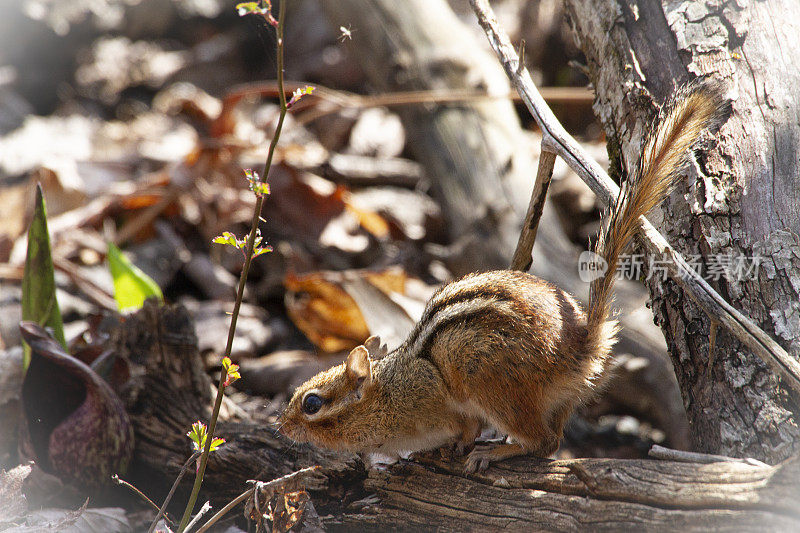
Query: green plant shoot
[(131, 286), (198, 435), (39, 302), (231, 371)]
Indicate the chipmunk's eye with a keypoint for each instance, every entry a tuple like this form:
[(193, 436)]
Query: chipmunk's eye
[(312, 403)]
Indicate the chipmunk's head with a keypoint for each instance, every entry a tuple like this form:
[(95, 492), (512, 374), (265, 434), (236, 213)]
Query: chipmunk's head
[(335, 408)]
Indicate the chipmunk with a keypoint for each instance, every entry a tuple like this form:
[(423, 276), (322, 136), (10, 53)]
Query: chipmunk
[(502, 348)]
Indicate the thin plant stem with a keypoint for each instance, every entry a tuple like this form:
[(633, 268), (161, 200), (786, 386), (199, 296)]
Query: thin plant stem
[(212, 424), (178, 479)]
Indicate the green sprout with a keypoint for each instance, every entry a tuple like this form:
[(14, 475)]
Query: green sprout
[(229, 239), (198, 435), (262, 8), (231, 371), (259, 187), (298, 94)]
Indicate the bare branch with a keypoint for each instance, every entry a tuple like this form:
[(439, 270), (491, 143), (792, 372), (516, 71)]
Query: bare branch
[(527, 237)]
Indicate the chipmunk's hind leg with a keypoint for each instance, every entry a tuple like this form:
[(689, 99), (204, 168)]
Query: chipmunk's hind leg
[(558, 420), (539, 439), (470, 430)]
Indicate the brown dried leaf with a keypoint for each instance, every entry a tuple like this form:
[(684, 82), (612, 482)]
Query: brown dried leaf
[(329, 306), (324, 311), (295, 505), (307, 206)]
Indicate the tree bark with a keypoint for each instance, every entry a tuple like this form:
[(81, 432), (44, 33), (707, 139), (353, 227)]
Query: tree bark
[(739, 200)]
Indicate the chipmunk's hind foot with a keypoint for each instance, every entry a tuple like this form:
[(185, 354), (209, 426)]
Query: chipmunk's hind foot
[(479, 459)]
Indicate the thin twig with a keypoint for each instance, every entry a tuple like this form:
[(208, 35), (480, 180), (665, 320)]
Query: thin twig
[(527, 237), (92, 290), (556, 139), (145, 217), (178, 479), (225, 510), (119, 481), (307, 110), (203, 510), (521, 53)]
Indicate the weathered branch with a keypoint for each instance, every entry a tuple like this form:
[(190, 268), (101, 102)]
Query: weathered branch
[(667, 454), (579, 495), (527, 237), (559, 141)]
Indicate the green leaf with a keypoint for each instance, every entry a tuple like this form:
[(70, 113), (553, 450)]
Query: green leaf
[(231, 371), (131, 286), (198, 435), (249, 8), (39, 302), (229, 239), (261, 250)]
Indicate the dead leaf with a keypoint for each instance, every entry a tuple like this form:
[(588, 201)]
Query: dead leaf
[(83, 520), (338, 310), (316, 210), (12, 502), (324, 311)]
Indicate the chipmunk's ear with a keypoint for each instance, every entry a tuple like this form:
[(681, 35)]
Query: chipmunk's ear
[(374, 348), (358, 366), (372, 344)]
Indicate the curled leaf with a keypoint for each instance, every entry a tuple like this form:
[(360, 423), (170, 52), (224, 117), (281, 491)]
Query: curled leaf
[(231, 371), (74, 426)]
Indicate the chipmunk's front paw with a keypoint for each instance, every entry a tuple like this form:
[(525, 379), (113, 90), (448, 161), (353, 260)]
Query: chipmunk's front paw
[(378, 461)]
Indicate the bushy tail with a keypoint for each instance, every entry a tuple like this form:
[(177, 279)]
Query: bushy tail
[(695, 107)]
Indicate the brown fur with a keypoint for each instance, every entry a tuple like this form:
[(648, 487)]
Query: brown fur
[(502, 348)]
